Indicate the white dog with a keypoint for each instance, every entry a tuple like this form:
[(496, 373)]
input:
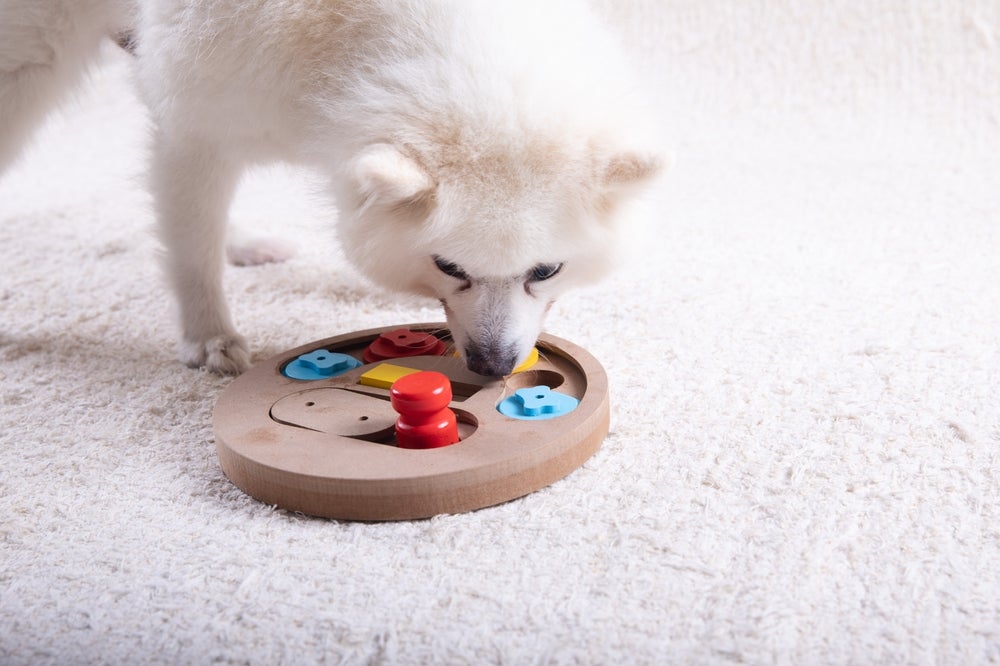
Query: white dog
[(480, 150)]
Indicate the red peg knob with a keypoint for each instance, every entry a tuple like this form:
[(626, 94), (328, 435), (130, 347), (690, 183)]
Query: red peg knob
[(425, 421)]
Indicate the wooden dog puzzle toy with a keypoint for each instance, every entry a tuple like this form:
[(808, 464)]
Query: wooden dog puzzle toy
[(388, 424)]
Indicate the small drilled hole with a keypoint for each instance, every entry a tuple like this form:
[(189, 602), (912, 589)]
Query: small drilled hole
[(310, 404), (363, 418)]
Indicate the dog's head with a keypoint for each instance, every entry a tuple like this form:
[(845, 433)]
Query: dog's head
[(496, 235)]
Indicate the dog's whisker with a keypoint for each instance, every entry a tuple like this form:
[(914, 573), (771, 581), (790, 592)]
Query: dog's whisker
[(541, 353)]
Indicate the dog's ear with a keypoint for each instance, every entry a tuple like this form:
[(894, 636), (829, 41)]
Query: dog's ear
[(629, 169), (621, 175), (383, 174)]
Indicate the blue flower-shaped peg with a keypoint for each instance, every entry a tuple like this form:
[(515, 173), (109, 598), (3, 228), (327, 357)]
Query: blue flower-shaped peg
[(320, 364), (537, 403)]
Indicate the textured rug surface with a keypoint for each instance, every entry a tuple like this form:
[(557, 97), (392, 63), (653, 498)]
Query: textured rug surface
[(804, 358)]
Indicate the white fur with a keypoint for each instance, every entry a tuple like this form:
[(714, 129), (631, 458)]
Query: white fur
[(496, 135), (45, 46)]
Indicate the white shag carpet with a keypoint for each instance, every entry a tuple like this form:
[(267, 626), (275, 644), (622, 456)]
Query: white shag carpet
[(804, 463)]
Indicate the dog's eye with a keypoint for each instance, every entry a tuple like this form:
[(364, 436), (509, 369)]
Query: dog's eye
[(450, 269), (543, 272)]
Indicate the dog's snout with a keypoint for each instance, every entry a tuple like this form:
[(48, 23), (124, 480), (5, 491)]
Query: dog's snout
[(491, 362)]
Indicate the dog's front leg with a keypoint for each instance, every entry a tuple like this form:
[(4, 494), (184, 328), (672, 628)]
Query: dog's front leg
[(193, 182)]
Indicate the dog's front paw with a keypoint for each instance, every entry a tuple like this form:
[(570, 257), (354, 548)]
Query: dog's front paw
[(224, 354), (247, 251)]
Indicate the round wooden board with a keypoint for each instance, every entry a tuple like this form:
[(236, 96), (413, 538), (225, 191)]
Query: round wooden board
[(326, 447)]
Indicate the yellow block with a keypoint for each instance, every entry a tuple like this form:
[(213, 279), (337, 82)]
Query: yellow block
[(528, 362), (384, 374)]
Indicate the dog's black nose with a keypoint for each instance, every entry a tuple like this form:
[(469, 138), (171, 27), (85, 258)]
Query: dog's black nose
[(491, 362)]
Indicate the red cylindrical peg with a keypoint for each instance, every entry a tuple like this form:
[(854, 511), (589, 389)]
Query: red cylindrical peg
[(425, 421)]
